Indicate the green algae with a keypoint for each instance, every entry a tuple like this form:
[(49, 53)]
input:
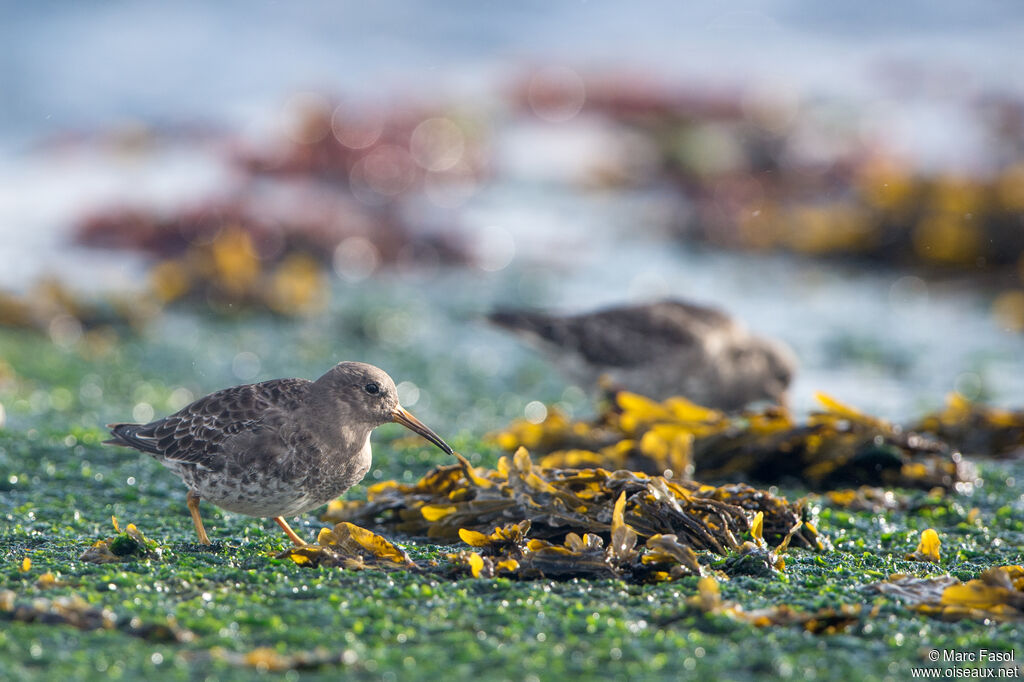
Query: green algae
[(59, 487)]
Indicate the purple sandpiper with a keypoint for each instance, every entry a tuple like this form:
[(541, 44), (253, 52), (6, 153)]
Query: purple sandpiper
[(277, 448), (659, 350)]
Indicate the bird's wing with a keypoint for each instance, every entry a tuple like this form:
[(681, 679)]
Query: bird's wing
[(695, 316), (630, 336), (625, 336), (196, 433)]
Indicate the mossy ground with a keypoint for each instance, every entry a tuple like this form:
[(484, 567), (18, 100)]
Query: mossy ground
[(60, 487)]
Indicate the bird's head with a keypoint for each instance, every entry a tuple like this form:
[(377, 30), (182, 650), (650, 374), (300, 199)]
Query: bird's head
[(367, 394), (764, 368), (780, 364)]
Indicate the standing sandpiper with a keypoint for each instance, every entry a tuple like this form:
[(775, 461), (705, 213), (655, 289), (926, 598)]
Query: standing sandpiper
[(276, 448), (662, 350)]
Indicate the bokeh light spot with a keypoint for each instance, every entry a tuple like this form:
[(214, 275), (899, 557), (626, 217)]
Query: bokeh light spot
[(142, 412), (408, 393), (246, 365), (968, 385), (556, 94), (437, 144), (908, 291), (356, 131), (494, 249), (355, 259), (180, 397), (535, 412), (65, 330), (307, 117)]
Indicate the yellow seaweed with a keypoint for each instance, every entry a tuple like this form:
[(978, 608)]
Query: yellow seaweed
[(476, 564), (927, 548), (680, 439), (997, 594)]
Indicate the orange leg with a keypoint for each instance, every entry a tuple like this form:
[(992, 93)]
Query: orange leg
[(193, 507), (289, 532)]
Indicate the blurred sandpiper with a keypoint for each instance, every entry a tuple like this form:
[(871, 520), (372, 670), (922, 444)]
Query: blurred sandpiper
[(659, 350), (276, 448)]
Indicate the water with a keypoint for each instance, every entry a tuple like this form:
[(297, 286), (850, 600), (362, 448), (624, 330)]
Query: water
[(877, 339), (73, 65)]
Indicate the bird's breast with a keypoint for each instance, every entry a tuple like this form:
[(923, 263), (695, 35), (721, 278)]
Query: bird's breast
[(283, 483), (342, 469)]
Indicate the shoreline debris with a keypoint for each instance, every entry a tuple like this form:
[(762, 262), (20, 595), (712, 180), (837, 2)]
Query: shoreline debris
[(995, 595), (836, 447), (78, 613), (528, 521), (127, 545)]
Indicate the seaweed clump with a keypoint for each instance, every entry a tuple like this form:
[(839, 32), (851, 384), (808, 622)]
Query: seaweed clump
[(127, 545), (974, 428), (997, 594), (349, 546), (507, 551), (267, 659), (826, 620), (531, 521), (836, 447), (67, 317), (77, 612)]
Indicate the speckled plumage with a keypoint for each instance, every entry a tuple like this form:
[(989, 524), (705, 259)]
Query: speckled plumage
[(661, 350), (276, 448)]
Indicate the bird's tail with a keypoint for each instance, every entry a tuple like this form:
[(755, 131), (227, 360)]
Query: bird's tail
[(127, 435), (505, 317), (523, 321), (120, 433)]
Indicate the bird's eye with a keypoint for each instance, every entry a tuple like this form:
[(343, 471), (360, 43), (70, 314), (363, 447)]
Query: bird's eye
[(372, 388)]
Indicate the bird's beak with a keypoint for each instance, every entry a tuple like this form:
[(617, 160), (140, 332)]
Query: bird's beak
[(402, 416)]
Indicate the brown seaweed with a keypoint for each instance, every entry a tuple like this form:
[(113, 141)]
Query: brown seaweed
[(349, 546), (826, 620), (995, 595), (836, 447), (557, 502), (129, 544), (77, 612), (975, 428), (528, 521)]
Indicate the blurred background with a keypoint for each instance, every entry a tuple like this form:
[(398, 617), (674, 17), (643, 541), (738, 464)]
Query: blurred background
[(195, 195)]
